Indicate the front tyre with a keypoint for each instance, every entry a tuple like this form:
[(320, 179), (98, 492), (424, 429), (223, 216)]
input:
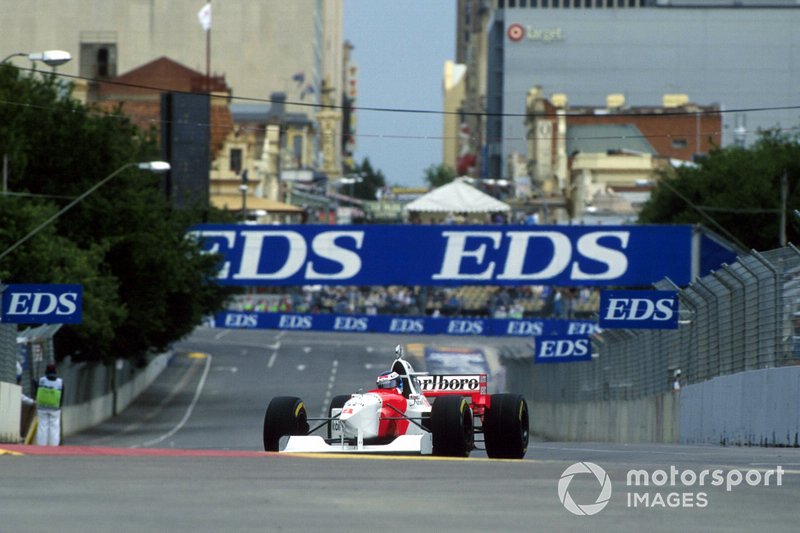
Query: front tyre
[(451, 427), (286, 415), (506, 427)]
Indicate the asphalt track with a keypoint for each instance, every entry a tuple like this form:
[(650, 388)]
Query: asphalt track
[(187, 457)]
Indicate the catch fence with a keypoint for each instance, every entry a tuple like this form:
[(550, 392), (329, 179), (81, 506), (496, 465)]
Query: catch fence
[(744, 316)]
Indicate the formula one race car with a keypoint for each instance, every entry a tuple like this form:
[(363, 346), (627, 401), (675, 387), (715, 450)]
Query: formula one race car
[(398, 417)]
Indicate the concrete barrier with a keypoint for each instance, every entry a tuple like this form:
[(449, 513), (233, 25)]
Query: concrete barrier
[(75, 418), (93, 409), (648, 419), (10, 412), (754, 408)]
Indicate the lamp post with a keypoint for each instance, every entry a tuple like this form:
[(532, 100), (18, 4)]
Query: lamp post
[(243, 188), (152, 166), (51, 58)]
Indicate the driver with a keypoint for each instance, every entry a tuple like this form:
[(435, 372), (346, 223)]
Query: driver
[(390, 380)]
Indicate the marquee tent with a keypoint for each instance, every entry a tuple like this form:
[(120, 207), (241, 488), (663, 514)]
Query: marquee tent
[(457, 197)]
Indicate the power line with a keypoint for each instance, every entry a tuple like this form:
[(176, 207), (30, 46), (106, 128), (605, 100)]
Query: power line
[(665, 114), (661, 113)]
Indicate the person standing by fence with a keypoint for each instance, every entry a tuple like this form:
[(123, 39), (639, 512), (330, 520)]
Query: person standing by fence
[(49, 395)]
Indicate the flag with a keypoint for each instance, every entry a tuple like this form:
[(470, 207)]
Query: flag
[(204, 16), (309, 89), (299, 77)]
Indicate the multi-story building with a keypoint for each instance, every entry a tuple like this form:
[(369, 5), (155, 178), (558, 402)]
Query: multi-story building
[(260, 47), (586, 159), (739, 55)]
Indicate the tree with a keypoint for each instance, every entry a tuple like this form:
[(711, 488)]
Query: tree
[(438, 175), (735, 192), (371, 181), (144, 284)]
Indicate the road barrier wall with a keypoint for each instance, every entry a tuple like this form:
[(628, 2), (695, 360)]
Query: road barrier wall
[(92, 393), (92, 411), (736, 347), (755, 408)]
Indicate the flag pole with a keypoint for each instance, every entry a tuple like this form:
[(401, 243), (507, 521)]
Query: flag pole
[(208, 58)]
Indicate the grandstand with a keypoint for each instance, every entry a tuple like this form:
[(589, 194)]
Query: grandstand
[(528, 301)]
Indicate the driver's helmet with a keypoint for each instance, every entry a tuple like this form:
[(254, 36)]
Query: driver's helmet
[(390, 380)]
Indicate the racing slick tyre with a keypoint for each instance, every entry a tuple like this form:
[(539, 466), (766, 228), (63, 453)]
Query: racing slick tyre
[(451, 427), (506, 427), (286, 415), (337, 403)]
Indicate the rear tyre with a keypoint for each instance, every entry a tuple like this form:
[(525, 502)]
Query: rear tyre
[(337, 403), (506, 427), (451, 427), (286, 415)]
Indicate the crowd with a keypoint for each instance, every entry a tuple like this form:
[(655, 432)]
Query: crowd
[(483, 301)]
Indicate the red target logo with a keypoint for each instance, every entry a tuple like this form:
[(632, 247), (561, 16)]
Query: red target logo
[(515, 32)]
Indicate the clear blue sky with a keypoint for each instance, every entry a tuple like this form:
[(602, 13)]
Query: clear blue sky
[(400, 49)]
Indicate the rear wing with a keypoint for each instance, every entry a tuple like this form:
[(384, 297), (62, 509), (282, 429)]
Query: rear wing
[(472, 385)]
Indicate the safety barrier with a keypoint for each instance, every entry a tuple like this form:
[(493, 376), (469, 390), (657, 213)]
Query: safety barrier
[(744, 317)]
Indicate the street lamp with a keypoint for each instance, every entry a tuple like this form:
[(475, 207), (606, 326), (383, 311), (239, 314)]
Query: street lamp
[(152, 166), (51, 58), (243, 188)]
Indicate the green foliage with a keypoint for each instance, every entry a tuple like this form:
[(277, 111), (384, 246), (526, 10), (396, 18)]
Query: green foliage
[(372, 181), (735, 192), (144, 284), (438, 175)]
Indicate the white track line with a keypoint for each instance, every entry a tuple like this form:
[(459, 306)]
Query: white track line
[(329, 393), (273, 357), (186, 416)]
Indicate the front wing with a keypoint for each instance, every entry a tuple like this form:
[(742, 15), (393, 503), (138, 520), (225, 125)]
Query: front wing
[(404, 444)]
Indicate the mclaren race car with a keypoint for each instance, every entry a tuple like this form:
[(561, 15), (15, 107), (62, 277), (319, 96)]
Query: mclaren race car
[(408, 413)]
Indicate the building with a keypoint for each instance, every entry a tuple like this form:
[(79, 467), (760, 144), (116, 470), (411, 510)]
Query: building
[(260, 47), (456, 149), (266, 149), (592, 159), (739, 55)]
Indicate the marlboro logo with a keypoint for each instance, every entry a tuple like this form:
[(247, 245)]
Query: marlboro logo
[(459, 383)]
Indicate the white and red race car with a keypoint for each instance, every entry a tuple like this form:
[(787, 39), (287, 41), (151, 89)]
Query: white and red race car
[(410, 413)]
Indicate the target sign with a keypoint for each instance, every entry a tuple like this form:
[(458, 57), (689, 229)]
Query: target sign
[(515, 32)]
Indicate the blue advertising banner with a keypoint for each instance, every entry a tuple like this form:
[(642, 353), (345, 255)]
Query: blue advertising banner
[(561, 349), (446, 255), (42, 304), (404, 324), (639, 309)]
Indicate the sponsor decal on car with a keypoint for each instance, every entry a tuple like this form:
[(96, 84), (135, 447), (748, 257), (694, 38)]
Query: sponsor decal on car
[(452, 383)]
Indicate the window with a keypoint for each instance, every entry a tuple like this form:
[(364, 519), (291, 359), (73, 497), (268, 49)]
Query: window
[(679, 144), (98, 59), (297, 150), (236, 160), (102, 62)]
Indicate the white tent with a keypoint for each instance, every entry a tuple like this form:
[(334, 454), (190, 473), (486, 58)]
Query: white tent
[(457, 197)]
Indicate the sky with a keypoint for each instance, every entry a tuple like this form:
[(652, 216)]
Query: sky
[(400, 49)]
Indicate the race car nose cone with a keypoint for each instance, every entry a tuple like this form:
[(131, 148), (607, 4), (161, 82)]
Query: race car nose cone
[(361, 412)]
